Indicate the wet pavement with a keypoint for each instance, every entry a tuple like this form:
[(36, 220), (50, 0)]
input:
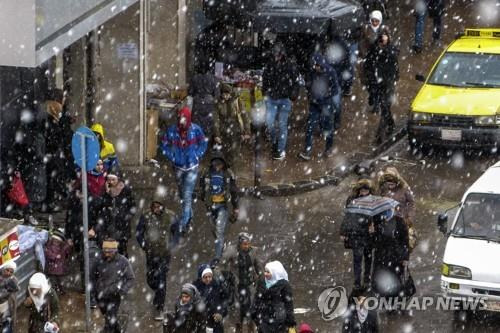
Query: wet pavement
[(302, 231)]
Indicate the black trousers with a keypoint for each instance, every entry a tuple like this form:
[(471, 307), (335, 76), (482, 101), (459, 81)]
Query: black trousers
[(156, 276), (109, 307), (358, 254)]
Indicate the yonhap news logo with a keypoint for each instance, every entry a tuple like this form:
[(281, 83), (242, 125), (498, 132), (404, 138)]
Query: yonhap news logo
[(332, 303)]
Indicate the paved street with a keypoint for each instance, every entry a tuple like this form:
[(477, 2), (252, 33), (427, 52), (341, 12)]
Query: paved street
[(302, 231)]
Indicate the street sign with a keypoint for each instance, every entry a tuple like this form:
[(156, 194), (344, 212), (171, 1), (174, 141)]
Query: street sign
[(91, 145)]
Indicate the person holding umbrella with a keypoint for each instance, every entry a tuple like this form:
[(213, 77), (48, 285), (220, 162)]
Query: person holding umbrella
[(354, 233), (390, 266)]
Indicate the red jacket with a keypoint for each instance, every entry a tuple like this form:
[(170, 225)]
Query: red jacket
[(56, 254)]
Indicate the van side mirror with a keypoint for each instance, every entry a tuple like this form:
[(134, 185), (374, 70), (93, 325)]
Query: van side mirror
[(420, 77), (442, 223)]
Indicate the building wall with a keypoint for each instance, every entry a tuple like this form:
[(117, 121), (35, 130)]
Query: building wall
[(117, 94)]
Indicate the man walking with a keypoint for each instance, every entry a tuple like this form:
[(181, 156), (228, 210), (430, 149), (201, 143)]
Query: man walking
[(152, 235), (323, 86), (435, 10), (280, 86), (184, 144), (382, 72), (218, 189), (114, 277)]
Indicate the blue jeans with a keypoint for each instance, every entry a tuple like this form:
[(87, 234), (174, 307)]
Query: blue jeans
[(280, 108), (337, 111), (322, 115), (220, 217), (186, 181), (420, 27)]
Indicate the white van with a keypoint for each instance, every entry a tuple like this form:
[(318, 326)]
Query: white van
[(471, 262)]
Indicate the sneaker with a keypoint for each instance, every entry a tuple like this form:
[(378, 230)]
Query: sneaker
[(158, 315), (279, 156), (327, 153), (306, 156), (416, 49)]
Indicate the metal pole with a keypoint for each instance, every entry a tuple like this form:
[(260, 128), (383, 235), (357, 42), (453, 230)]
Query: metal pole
[(85, 234)]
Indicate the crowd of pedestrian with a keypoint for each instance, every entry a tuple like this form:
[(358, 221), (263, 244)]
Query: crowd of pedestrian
[(215, 126)]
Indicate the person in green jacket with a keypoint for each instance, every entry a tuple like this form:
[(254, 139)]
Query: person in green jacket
[(231, 123)]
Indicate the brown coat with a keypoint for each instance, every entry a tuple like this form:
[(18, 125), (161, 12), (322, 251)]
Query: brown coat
[(402, 193), (369, 37)]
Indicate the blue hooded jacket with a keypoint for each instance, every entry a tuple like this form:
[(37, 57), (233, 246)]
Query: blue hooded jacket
[(185, 156), (322, 86)]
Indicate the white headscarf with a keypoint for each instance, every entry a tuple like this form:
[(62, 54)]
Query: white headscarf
[(38, 280), (277, 271), (377, 15), (10, 264)]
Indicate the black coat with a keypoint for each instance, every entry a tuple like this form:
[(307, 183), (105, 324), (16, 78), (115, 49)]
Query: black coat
[(352, 324), (391, 243), (280, 80), (435, 7), (215, 297), (355, 228), (273, 308), (116, 214), (187, 319), (114, 277), (381, 67)]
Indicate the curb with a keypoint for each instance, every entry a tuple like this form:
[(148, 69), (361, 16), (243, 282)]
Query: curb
[(332, 177)]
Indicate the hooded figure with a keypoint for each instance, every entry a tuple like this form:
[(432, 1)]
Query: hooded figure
[(358, 318), (273, 307), (9, 287), (361, 188), (189, 315), (184, 144), (323, 89), (391, 256), (215, 297), (218, 189), (107, 154), (392, 185), (43, 303), (371, 32)]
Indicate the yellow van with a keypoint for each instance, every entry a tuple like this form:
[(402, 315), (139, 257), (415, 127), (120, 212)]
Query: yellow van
[(459, 103)]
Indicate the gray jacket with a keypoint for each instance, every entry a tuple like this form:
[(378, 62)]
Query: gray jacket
[(113, 278)]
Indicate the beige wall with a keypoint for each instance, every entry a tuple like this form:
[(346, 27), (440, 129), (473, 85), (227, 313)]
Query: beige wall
[(117, 106), (163, 62), (117, 96)]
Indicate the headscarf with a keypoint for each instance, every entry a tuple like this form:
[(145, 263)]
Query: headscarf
[(377, 15), (277, 271), (191, 290), (183, 123), (10, 264), (39, 280)]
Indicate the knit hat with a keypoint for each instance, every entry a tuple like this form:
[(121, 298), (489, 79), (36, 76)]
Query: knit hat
[(304, 328), (203, 269), (59, 235), (244, 236)]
